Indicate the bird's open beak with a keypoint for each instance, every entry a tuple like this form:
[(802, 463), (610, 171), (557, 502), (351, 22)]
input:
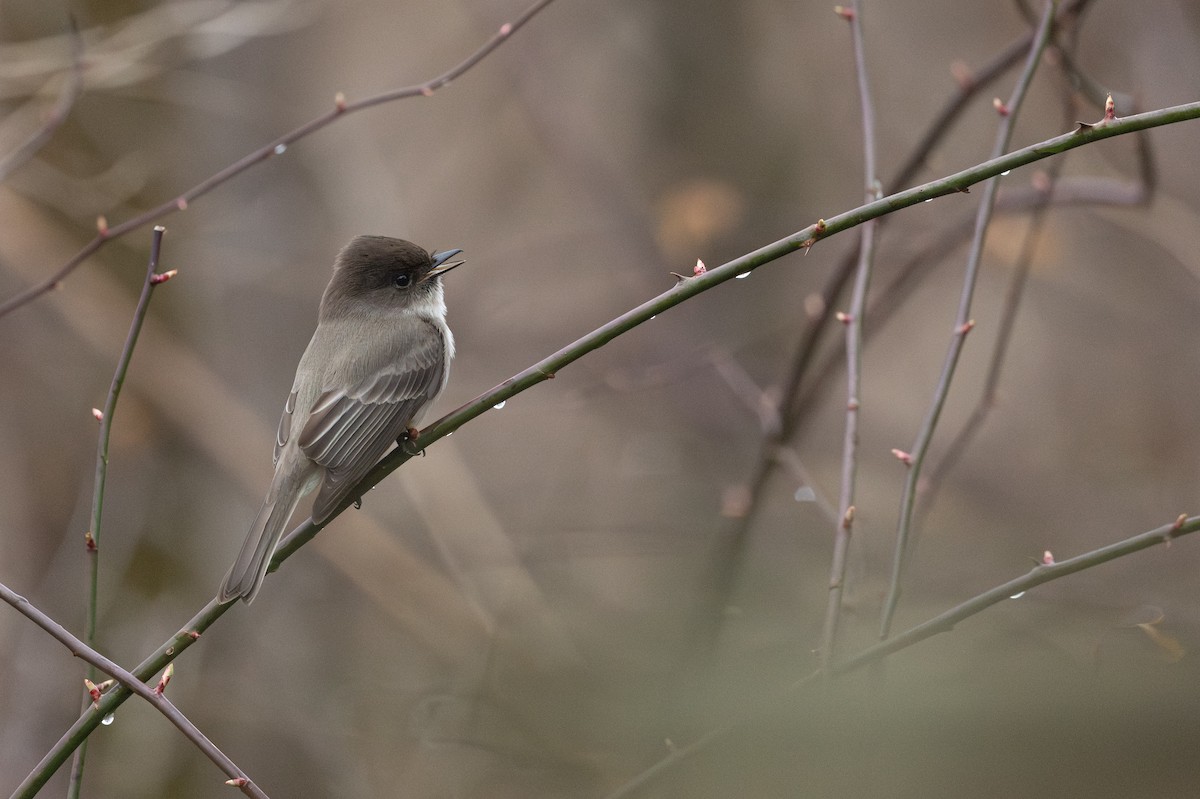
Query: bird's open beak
[(440, 267)]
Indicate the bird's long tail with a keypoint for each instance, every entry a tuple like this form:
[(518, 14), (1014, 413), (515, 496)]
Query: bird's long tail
[(246, 575)]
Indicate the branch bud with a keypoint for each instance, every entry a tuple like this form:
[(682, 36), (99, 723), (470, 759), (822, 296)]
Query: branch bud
[(93, 691), (167, 674)]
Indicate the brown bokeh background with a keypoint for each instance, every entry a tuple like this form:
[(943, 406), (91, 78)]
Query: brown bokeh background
[(530, 610)]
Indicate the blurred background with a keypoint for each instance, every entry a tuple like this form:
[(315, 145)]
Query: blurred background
[(567, 589)]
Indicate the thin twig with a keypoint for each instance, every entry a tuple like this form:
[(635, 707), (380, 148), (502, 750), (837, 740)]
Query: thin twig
[(130, 683), (854, 321), (546, 369), (944, 622), (58, 114), (92, 538), (1012, 302), (341, 108), (962, 323)]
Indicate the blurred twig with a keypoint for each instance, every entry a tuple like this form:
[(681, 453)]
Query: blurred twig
[(340, 109), (546, 369), (58, 114), (944, 622), (853, 322), (92, 538), (130, 684)]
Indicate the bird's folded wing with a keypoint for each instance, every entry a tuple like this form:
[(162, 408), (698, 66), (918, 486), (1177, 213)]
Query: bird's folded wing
[(349, 429)]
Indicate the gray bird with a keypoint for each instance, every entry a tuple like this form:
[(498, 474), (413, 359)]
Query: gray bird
[(378, 359)]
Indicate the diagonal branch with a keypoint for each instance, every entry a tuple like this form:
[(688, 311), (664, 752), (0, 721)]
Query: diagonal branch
[(130, 684), (341, 108), (545, 369)]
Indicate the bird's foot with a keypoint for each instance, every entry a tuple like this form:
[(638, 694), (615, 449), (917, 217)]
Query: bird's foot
[(408, 443)]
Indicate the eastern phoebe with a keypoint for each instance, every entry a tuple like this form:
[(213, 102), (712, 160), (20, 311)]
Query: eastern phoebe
[(379, 357)]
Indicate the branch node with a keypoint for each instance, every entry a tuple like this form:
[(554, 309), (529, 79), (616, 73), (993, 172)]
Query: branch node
[(818, 229), (93, 691)]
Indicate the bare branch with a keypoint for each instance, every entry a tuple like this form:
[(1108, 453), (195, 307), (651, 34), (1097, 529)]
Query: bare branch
[(131, 684)]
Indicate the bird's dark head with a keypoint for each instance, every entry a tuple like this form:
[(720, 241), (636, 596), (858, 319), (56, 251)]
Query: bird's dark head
[(378, 273)]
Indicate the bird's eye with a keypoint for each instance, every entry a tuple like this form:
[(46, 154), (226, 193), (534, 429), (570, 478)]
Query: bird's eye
[(401, 281)]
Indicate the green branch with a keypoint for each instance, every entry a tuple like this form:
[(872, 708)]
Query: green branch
[(548, 367)]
